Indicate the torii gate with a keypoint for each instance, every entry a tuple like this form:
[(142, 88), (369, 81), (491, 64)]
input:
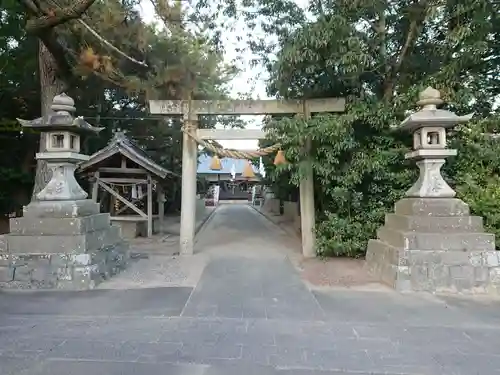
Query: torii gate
[(191, 109)]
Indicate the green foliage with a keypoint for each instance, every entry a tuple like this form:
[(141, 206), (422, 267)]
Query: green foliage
[(476, 171), (359, 173), (379, 56), (19, 97)]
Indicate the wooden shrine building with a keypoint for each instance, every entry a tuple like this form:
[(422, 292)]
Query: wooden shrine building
[(125, 180)]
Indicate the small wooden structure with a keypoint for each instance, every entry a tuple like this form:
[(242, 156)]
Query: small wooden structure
[(125, 174)]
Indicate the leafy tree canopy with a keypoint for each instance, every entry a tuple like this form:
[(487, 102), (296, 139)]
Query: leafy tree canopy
[(379, 55)]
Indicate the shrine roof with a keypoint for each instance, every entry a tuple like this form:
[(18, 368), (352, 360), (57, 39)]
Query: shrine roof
[(120, 144)]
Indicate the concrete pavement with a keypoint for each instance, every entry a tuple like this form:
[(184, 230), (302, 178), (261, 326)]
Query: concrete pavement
[(246, 311)]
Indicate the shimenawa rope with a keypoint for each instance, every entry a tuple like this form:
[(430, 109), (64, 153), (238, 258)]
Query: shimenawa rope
[(235, 154)]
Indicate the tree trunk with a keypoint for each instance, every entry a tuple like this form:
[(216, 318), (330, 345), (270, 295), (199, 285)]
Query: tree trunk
[(50, 85)]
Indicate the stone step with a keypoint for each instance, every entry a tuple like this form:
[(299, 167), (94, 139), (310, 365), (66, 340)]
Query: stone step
[(384, 262), (438, 258), (430, 207), (437, 241), (379, 252), (435, 224), (58, 226)]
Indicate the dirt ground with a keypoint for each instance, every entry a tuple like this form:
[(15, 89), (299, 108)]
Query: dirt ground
[(325, 273), (336, 273)]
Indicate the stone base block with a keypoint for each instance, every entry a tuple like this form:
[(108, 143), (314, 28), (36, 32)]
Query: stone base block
[(63, 243), (297, 224), (435, 224), (131, 228), (201, 209), (453, 241), (440, 271), (272, 205), (431, 207), (78, 271), (58, 226), (434, 245), (290, 211), (61, 209), (3, 243)]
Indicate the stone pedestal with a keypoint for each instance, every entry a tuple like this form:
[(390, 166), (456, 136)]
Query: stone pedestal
[(131, 227), (273, 205), (65, 244), (434, 245)]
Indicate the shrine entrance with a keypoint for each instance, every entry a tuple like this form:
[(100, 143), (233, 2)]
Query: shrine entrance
[(190, 110)]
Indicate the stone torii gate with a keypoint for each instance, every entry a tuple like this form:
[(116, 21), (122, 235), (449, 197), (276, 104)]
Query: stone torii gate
[(191, 109)]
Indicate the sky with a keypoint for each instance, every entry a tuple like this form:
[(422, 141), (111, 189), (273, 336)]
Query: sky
[(250, 80)]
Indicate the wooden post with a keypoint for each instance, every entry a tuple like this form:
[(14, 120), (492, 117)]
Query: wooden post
[(115, 195), (95, 187), (150, 206), (161, 206), (307, 211), (112, 201)]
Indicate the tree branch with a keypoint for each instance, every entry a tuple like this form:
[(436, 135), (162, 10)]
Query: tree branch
[(58, 17), (104, 41), (169, 14), (410, 38), (89, 28), (419, 11), (31, 7), (49, 39), (413, 31)]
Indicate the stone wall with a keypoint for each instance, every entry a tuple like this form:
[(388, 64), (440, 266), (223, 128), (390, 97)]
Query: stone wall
[(297, 225), (61, 271), (290, 211), (200, 208), (272, 205)]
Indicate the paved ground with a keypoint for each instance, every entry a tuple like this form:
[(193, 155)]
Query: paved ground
[(248, 313)]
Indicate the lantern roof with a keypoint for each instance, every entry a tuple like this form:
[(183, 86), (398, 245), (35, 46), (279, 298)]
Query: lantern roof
[(61, 118), (430, 115)]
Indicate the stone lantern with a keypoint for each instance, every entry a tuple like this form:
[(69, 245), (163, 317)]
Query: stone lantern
[(429, 144), (62, 143), (431, 242), (62, 240)]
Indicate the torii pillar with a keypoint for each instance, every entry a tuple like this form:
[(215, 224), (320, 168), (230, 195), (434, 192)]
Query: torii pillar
[(188, 198)]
